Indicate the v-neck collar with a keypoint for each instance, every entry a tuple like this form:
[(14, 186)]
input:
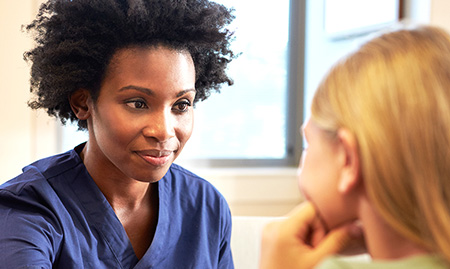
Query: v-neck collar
[(154, 253)]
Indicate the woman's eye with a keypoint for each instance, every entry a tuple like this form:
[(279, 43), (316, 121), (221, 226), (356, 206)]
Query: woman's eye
[(182, 106), (138, 104)]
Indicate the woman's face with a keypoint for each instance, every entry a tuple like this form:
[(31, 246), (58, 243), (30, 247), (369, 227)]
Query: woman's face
[(319, 173), (144, 113)]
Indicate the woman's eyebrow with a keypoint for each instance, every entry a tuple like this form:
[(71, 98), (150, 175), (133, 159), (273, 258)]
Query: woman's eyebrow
[(148, 91), (181, 93), (137, 88)]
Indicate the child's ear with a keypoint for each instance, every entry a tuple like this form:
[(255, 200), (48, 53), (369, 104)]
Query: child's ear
[(80, 104), (350, 173)]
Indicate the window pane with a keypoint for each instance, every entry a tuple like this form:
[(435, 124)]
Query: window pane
[(248, 120)]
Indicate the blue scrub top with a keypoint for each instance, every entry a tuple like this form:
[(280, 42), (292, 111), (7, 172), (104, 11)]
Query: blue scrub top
[(54, 215)]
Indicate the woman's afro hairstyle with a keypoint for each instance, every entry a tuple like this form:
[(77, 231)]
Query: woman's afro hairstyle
[(76, 39)]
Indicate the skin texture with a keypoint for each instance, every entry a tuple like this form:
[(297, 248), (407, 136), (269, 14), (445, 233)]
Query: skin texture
[(137, 127)]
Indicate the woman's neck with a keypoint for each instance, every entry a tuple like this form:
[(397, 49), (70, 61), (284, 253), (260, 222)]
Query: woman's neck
[(121, 192), (383, 242)]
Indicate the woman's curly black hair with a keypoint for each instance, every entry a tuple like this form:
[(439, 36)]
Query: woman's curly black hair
[(76, 39)]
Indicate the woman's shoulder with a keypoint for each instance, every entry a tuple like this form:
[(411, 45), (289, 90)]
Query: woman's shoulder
[(37, 174)]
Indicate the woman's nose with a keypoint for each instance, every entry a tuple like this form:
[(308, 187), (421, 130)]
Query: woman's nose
[(160, 125)]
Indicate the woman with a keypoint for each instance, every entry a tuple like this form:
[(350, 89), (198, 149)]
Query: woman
[(378, 153), (128, 72)]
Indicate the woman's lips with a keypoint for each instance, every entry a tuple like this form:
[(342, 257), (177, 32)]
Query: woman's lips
[(156, 157)]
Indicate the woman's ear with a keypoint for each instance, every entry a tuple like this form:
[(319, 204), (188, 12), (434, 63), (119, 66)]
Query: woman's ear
[(350, 173), (80, 104)]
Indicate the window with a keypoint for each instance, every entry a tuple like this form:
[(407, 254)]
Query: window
[(254, 122)]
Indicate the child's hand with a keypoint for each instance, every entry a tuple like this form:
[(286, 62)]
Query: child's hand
[(301, 241)]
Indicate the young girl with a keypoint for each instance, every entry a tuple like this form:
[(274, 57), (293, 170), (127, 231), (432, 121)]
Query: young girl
[(378, 152), (128, 72)]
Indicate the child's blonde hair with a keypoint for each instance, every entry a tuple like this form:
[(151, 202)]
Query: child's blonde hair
[(393, 93)]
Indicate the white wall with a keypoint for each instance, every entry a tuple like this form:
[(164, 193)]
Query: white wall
[(26, 135), (440, 13), (18, 124), (15, 122)]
